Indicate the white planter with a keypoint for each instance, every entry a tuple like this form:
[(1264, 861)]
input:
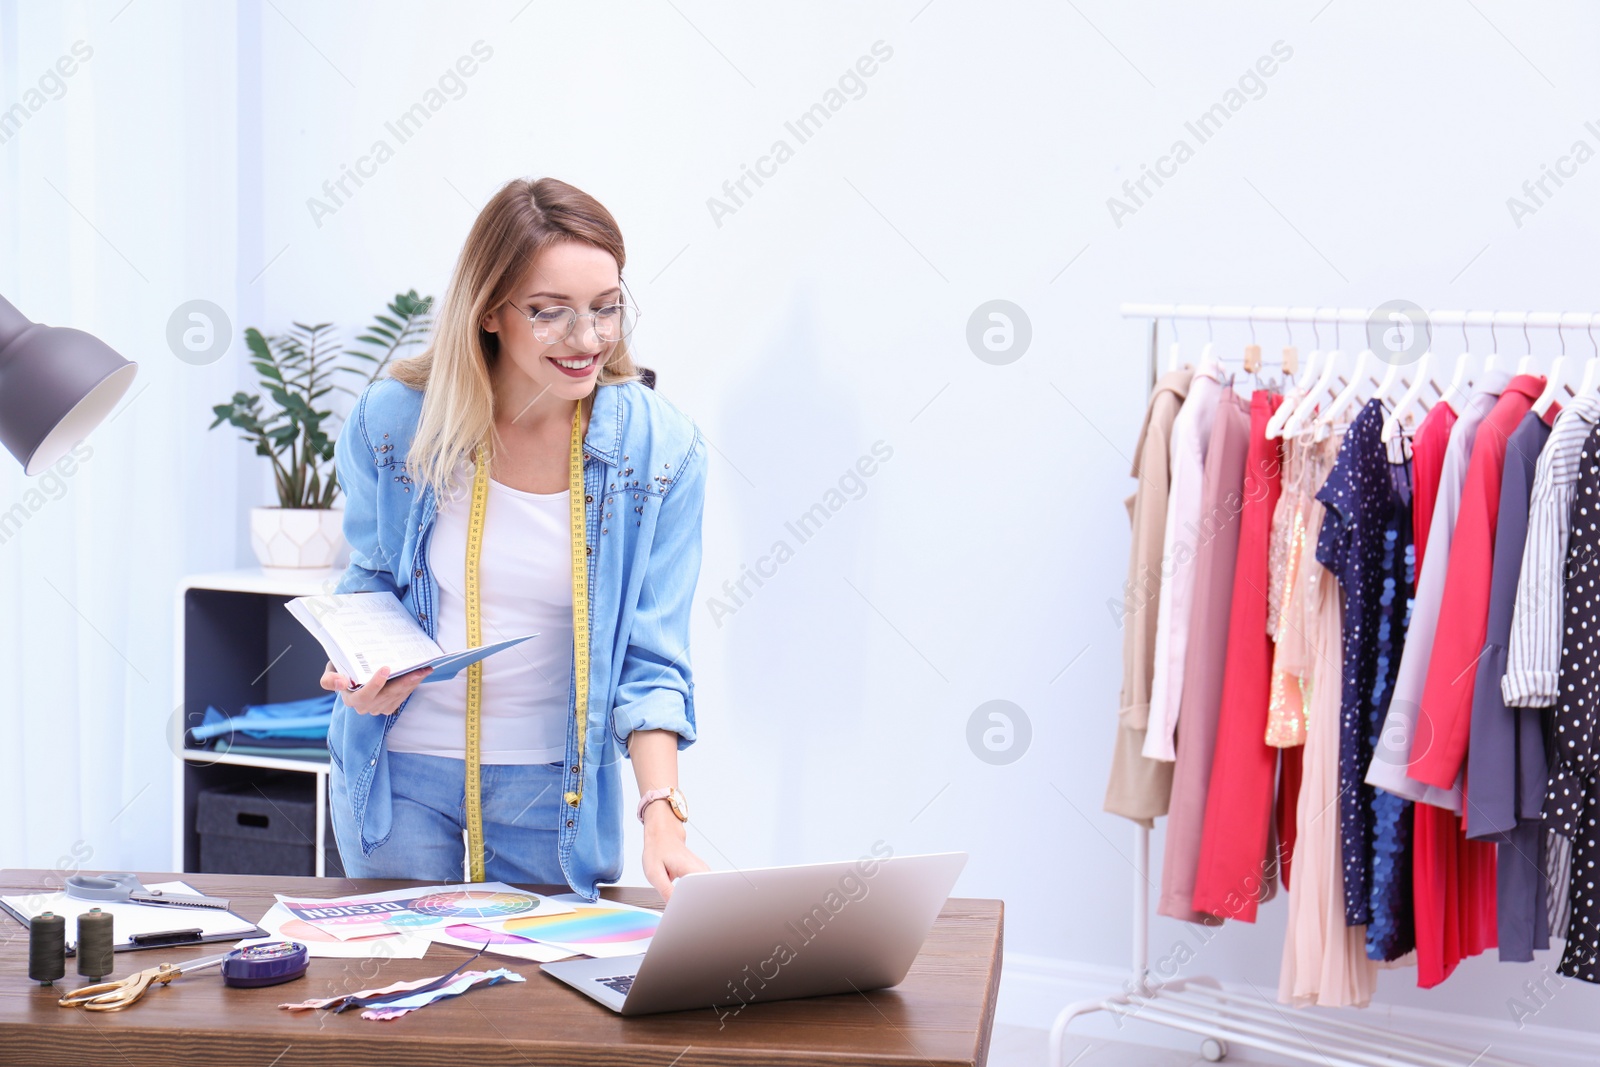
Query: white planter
[(297, 540)]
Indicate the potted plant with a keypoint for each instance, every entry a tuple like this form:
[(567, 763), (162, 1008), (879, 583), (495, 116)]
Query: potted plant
[(290, 427)]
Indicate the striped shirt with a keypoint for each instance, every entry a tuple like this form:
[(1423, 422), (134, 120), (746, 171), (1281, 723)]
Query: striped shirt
[(1533, 658)]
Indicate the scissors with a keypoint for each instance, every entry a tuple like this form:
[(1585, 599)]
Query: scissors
[(262, 964), (114, 996), (127, 887)]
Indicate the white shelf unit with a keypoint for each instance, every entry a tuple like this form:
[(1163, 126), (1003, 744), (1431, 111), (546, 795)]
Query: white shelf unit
[(235, 644)]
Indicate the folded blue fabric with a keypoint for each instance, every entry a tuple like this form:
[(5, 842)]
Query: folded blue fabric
[(307, 719)]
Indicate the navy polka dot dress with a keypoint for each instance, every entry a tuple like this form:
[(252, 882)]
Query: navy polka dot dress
[(1366, 542)]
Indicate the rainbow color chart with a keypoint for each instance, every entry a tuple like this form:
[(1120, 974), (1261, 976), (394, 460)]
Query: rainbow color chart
[(590, 930), (589, 926)]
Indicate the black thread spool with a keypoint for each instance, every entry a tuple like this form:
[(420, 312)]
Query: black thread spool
[(47, 948), (94, 944)]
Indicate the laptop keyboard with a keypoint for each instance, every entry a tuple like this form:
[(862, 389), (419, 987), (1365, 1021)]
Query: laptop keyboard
[(621, 983)]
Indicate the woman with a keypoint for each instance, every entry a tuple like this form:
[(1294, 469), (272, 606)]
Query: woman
[(528, 359)]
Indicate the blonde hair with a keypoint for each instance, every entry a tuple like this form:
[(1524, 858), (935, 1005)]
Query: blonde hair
[(519, 222)]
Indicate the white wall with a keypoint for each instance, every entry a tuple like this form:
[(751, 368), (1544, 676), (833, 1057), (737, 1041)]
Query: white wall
[(827, 313)]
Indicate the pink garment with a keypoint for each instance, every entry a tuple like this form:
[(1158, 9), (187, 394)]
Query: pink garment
[(1191, 437), (1291, 667), (1324, 961), (1206, 655)]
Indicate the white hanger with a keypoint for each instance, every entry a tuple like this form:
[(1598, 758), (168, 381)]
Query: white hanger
[(1292, 395), (1591, 377), (1358, 380), (1290, 416), (1172, 352), (1422, 377), (1313, 360), (1525, 364), (1391, 376), (1391, 422), (1456, 391), (1209, 364), (1494, 346), (1296, 423), (1455, 394), (1291, 400), (1591, 369), (1552, 385), (1304, 381)]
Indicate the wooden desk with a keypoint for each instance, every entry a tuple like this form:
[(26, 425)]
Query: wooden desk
[(940, 1015)]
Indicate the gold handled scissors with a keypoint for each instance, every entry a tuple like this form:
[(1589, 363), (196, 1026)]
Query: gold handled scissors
[(114, 996)]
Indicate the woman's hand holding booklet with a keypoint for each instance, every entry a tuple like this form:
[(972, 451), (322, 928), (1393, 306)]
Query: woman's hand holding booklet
[(363, 633)]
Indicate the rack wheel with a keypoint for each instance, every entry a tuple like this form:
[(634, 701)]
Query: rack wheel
[(1215, 1050)]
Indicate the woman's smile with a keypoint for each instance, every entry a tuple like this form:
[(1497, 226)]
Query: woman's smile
[(576, 366)]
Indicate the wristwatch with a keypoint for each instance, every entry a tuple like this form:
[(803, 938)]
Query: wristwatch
[(674, 799)]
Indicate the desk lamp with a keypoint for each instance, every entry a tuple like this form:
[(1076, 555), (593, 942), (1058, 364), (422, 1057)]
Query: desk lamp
[(56, 385)]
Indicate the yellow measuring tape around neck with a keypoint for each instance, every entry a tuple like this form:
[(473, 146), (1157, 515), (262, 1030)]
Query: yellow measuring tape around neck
[(580, 635)]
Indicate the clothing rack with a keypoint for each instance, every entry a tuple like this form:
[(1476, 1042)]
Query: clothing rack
[(1333, 316), (1198, 1004)]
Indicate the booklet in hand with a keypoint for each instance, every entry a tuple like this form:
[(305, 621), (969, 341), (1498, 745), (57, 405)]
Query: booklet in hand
[(363, 632)]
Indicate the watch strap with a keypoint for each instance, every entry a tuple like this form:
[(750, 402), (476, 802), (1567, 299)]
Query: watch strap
[(650, 797)]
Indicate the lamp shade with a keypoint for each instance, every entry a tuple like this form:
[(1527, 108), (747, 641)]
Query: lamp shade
[(56, 385)]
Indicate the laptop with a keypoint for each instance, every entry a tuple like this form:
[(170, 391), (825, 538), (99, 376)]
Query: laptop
[(730, 938)]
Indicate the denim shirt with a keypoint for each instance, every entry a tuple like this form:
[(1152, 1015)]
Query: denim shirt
[(644, 472)]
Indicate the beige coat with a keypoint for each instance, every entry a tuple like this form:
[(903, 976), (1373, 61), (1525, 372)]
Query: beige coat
[(1140, 788)]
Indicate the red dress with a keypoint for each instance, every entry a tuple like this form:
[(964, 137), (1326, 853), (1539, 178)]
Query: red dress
[(1234, 870), (1439, 750), (1453, 921)]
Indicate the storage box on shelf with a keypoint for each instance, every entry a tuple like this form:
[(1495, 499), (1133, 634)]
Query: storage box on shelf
[(266, 827), (236, 644)]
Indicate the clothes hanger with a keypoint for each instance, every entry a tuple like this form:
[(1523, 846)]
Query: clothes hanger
[(1296, 423), (1252, 358), (1525, 364), (1291, 354), (1358, 380), (1391, 422), (1494, 346), (1305, 378), (1209, 365), (1390, 376), (1455, 393), (1172, 353), (1591, 369), (1552, 384)]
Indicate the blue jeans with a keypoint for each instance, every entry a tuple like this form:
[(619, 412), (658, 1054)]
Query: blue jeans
[(521, 806)]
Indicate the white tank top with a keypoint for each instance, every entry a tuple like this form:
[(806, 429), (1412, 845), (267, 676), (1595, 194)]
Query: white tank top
[(525, 585)]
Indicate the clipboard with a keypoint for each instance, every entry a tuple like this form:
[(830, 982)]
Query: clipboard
[(145, 921)]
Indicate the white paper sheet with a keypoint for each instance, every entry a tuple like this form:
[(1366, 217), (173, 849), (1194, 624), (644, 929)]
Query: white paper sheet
[(473, 937), (129, 919)]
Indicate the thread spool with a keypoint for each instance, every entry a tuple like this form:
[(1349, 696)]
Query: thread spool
[(94, 944), (47, 948)]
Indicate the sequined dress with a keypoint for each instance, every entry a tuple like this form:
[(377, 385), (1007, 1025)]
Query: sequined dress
[(1366, 543), (1324, 959)]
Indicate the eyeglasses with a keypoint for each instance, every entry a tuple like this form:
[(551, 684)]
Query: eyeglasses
[(553, 325)]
